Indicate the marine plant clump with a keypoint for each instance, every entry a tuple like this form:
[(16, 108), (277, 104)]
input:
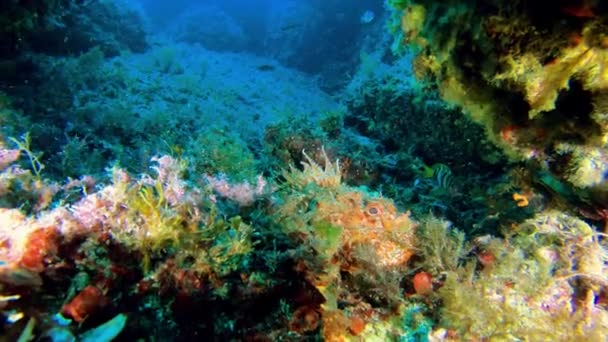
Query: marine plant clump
[(22, 185), (359, 242), (542, 282), (441, 247), (154, 235)]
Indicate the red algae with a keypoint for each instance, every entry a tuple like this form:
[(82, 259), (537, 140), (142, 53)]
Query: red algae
[(40, 249), (86, 302)]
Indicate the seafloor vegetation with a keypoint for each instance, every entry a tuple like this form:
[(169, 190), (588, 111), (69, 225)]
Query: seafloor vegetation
[(182, 187)]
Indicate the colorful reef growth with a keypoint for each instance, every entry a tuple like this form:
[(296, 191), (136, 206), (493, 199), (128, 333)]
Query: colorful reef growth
[(534, 75), (329, 260), (153, 246), (156, 190)]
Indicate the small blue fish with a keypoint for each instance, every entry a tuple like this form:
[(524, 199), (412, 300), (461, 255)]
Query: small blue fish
[(367, 17)]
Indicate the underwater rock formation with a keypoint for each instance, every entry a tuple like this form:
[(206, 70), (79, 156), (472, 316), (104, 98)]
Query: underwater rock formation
[(66, 27), (211, 27), (533, 75)]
